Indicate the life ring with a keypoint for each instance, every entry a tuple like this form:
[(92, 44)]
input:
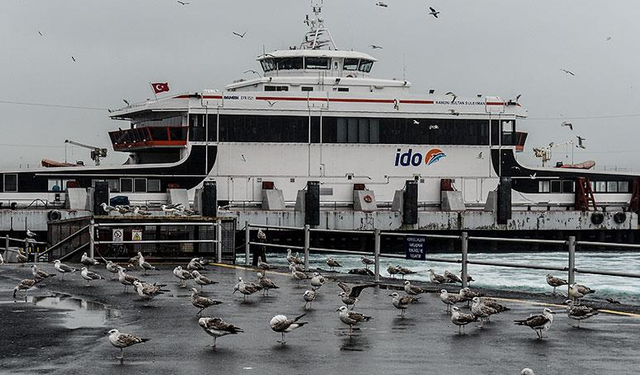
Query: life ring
[(367, 198), (54, 215), (620, 217), (597, 218)]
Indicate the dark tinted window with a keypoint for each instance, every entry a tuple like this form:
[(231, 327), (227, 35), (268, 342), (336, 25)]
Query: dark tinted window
[(350, 64), (264, 128), (159, 134), (288, 63), (140, 185), (126, 185), (317, 63), (10, 182)]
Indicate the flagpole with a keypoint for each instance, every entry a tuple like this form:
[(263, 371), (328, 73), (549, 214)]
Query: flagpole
[(154, 90)]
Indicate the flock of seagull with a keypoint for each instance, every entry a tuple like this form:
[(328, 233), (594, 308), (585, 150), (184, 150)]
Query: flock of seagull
[(480, 308)]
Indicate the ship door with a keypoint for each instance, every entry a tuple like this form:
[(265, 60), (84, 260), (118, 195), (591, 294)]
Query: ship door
[(470, 190)]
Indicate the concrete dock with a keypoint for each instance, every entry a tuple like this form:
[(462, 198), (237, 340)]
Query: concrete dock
[(62, 330)]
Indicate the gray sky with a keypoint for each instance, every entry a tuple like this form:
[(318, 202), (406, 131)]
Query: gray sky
[(493, 47)]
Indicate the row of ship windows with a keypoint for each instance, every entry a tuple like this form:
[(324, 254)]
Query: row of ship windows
[(568, 186), (315, 63), (298, 129)]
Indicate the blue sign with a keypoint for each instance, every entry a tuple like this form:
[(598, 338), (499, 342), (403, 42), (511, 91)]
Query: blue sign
[(416, 248)]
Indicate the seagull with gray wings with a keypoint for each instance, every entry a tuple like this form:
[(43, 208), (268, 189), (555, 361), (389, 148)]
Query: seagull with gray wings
[(123, 340), (412, 290), (62, 268), (351, 318), (577, 291), (402, 302), (461, 319), (266, 284), (90, 275), (201, 302), (202, 280), (38, 273), (350, 295), (216, 327), (88, 261), (539, 323), (555, 282), (283, 325), (435, 278), (579, 312)]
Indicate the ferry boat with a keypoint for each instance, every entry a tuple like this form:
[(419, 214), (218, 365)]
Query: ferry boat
[(318, 113)]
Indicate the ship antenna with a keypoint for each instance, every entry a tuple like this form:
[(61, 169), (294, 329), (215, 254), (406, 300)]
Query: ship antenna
[(318, 36)]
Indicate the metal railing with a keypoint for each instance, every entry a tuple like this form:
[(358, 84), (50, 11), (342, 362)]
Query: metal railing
[(571, 245), (27, 245), (213, 224)]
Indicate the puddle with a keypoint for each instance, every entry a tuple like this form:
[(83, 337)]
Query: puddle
[(76, 312)]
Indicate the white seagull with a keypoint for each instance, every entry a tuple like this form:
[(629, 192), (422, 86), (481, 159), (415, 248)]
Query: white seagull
[(309, 296), (123, 340), (539, 323), (402, 303), (351, 318), (183, 275), (89, 275), (281, 324), (461, 319), (88, 261), (63, 268)]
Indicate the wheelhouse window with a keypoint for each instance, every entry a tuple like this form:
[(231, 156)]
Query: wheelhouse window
[(350, 64), (268, 65), (54, 185), (126, 185), (600, 187), (289, 63), (114, 185), (365, 66), (10, 183), (623, 186), (153, 186), (317, 63), (140, 185), (555, 186), (567, 186)]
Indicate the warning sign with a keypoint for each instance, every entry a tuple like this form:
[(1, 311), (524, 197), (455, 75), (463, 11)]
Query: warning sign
[(118, 235), (416, 248), (136, 235)]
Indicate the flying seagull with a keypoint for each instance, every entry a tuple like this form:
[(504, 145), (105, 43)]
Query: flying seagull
[(217, 327), (567, 124), (127, 103), (580, 144), (539, 323), (239, 35), (381, 4), (280, 323), (567, 71), (73, 58), (183, 2), (123, 340), (40, 33), (373, 46), (433, 12), (450, 93), (350, 295), (434, 127)]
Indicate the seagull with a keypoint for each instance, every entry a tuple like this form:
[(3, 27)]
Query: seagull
[(139, 211), (264, 266), (404, 271), (40, 33), (239, 35), (195, 264), (412, 290), (183, 2), (482, 311), (123, 340), (467, 294), (351, 318), (435, 278), (144, 265), (217, 327), (1, 260), (73, 59), (461, 319), (416, 122), (434, 127), (453, 95), (296, 267), (578, 312), (567, 124), (89, 275), (291, 258), (175, 210), (555, 282), (518, 97), (88, 261), (373, 46), (402, 303), (127, 103), (317, 281), (539, 323), (183, 275), (112, 267), (479, 155), (280, 323), (392, 270), (577, 291), (366, 261), (201, 280), (297, 275), (123, 209), (105, 206), (62, 268), (271, 104), (36, 272), (350, 294), (246, 288), (567, 71), (201, 302), (580, 144), (266, 284), (527, 371), (449, 299), (381, 4), (309, 296), (610, 300), (25, 285), (21, 257), (30, 234), (452, 277), (433, 12), (147, 291), (125, 279)]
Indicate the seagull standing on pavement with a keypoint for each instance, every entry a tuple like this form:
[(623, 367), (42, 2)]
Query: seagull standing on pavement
[(195, 264), (452, 277), (461, 319), (246, 288), (366, 261), (125, 279), (202, 280), (38, 273), (449, 299), (539, 323), (144, 264), (266, 284), (435, 278), (123, 340), (402, 303), (412, 290), (351, 318), (282, 324), (201, 302), (112, 267), (332, 263), (89, 275), (309, 296), (578, 312), (183, 275), (88, 261), (216, 327), (577, 291), (392, 270), (62, 268), (317, 281), (25, 285)]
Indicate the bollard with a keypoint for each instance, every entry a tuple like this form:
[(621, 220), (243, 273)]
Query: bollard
[(219, 240), (247, 239), (307, 244), (572, 259), (464, 238), (376, 254), (92, 234)]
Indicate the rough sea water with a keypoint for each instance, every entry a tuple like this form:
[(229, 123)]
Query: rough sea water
[(624, 289)]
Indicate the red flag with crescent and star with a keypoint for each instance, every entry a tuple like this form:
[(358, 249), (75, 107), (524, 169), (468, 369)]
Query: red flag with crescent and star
[(160, 87)]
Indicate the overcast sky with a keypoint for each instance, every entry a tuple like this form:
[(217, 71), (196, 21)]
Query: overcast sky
[(493, 47)]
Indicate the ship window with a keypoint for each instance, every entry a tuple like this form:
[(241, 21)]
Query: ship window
[(178, 134), (612, 186), (114, 185), (555, 186), (268, 65), (315, 129), (623, 186), (54, 185), (288, 63), (283, 129), (317, 63), (10, 182), (343, 89), (365, 66), (140, 185), (276, 88), (159, 134), (600, 186), (543, 186), (126, 185), (567, 186), (196, 128), (153, 186), (350, 64), (307, 88)]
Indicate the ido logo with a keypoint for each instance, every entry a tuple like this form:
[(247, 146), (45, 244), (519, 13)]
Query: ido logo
[(415, 159)]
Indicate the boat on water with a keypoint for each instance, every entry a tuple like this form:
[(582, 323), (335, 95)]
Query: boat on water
[(317, 113)]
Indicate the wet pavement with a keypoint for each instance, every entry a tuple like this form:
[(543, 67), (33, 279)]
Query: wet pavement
[(62, 329)]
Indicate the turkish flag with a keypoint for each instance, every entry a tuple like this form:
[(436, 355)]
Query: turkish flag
[(160, 87)]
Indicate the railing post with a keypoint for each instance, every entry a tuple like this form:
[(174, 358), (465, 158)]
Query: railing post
[(307, 244), (92, 239), (219, 240), (464, 238), (376, 254), (572, 259), (247, 239), (6, 242)]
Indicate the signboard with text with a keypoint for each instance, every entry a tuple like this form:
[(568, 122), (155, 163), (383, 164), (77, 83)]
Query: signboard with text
[(415, 248)]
